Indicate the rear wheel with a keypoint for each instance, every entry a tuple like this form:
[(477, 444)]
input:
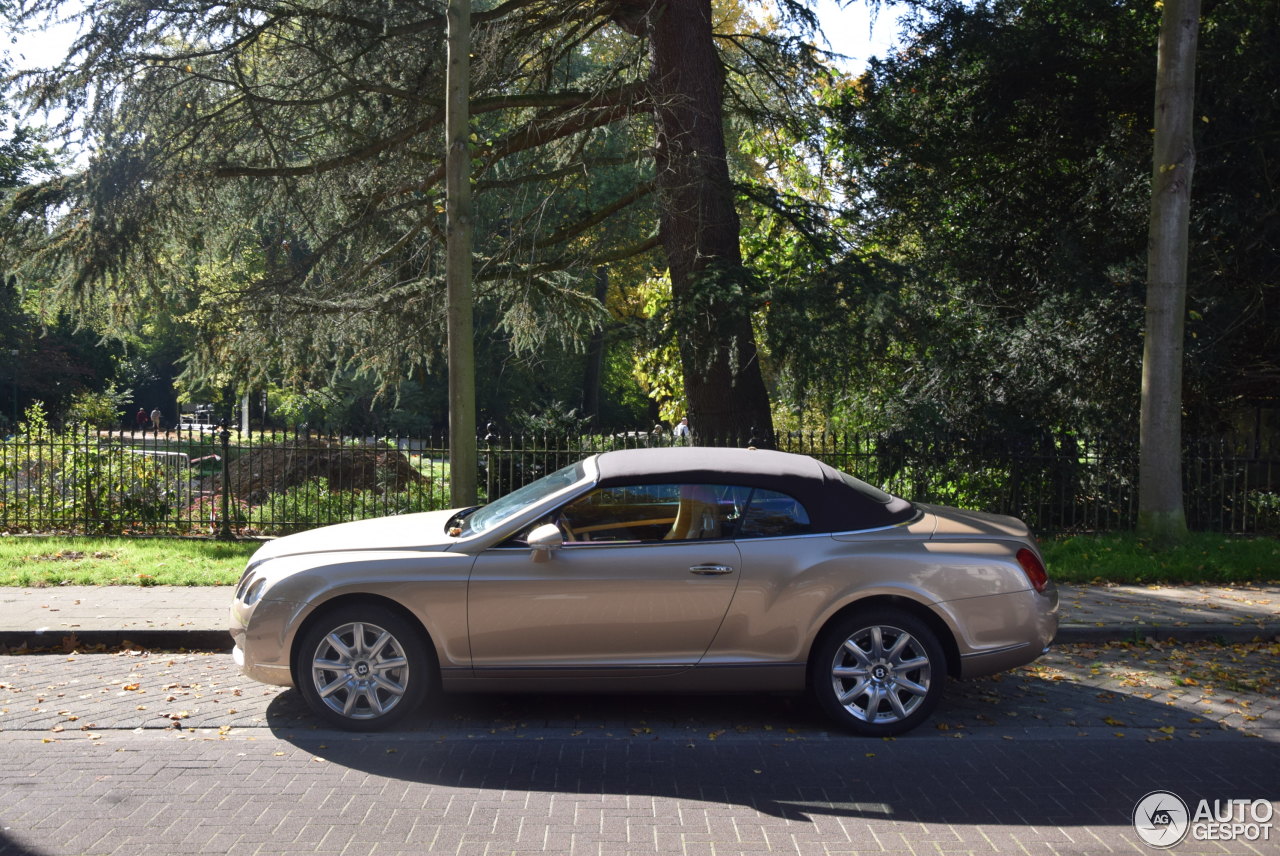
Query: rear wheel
[(363, 667), (878, 673)]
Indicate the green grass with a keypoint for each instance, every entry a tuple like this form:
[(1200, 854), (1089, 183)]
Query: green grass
[(41, 561), (1204, 558), (49, 561)]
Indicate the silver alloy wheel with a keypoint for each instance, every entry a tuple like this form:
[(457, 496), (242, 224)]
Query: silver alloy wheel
[(881, 674), (360, 671)]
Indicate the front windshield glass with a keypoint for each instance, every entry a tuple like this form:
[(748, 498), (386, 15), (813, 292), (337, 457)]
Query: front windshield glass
[(493, 514)]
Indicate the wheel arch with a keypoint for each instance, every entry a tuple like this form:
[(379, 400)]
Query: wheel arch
[(871, 603), (367, 599)]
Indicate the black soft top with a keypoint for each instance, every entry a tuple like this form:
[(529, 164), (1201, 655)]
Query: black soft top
[(835, 501)]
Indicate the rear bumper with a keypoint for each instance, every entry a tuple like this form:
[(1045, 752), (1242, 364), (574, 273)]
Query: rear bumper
[(1000, 632)]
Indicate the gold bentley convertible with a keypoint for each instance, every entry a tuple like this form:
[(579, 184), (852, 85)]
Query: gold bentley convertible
[(680, 569)]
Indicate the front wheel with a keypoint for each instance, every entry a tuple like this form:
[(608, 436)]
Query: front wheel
[(878, 673), (362, 667)]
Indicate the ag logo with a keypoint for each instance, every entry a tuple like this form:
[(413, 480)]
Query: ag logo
[(1161, 819)]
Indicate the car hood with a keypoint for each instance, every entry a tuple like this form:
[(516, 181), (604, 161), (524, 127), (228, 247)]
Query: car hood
[(423, 531), (955, 522)]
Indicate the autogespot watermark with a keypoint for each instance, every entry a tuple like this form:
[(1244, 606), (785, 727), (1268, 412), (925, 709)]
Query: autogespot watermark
[(1162, 819)]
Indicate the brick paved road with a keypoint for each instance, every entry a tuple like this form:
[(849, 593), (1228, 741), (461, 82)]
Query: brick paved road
[(160, 792), (1196, 689), (133, 754)]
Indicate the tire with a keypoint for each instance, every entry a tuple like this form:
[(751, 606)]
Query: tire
[(363, 667), (878, 673)]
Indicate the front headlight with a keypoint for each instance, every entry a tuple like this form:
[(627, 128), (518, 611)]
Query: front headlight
[(245, 580), (254, 593), (251, 586)]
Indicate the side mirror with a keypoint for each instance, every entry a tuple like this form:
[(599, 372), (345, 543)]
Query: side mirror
[(545, 539)]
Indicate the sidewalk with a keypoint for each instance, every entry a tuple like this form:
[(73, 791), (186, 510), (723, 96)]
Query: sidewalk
[(196, 618)]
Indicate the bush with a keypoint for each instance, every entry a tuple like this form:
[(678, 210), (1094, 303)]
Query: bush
[(313, 504), (99, 410), (61, 480)]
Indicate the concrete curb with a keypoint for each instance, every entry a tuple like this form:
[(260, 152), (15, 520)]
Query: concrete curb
[(192, 639), (1074, 633)]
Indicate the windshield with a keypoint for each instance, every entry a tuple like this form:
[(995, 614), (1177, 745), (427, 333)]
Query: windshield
[(493, 514)]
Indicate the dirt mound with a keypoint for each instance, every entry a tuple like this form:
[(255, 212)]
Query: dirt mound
[(273, 469)]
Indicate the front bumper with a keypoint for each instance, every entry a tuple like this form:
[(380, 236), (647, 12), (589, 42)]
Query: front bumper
[(263, 638)]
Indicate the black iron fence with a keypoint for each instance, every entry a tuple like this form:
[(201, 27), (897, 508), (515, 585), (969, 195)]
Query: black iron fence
[(216, 482)]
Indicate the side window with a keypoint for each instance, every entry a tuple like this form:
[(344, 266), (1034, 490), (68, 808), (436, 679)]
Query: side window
[(626, 513), (651, 513), (770, 514)]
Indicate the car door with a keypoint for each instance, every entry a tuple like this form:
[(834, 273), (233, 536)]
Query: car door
[(636, 589)]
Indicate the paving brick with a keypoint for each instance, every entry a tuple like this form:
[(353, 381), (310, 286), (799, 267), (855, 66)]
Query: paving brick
[(418, 791)]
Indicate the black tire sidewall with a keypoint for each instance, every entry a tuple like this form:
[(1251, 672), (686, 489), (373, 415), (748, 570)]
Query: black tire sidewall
[(410, 640), (834, 636)]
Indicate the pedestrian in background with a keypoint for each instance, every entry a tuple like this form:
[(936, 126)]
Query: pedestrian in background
[(682, 430)]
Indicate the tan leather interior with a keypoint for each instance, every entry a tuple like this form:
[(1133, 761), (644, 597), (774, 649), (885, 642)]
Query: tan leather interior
[(697, 516)]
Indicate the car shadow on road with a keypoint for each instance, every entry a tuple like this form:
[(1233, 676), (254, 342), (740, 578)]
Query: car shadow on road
[(10, 847), (994, 753)]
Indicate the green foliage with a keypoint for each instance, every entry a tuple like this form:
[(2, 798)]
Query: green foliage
[(318, 408), (99, 409), (997, 189), (315, 504), (205, 515), (1265, 506), (293, 219), (268, 185), (74, 480), (1201, 558), (656, 363), (1000, 166), (24, 155), (555, 419)]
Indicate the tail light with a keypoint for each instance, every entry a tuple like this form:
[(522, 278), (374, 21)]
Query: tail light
[(1033, 568)]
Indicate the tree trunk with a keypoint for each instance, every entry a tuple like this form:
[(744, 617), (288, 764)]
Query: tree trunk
[(699, 225), (462, 370), (1161, 517)]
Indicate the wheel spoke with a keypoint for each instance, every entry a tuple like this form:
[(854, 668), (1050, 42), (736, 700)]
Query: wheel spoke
[(389, 664), (349, 704), (874, 696), (375, 650), (911, 686), (330, 688), (877, 643), (853, 692), (849, 672), (321, 664), (896, 704), (341, 647), (858, 654), (390, 686), (357, 641), (912, 665), (375, 703), (894, 654)]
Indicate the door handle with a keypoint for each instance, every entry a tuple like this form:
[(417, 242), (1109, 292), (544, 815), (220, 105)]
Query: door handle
[(711, 570)]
